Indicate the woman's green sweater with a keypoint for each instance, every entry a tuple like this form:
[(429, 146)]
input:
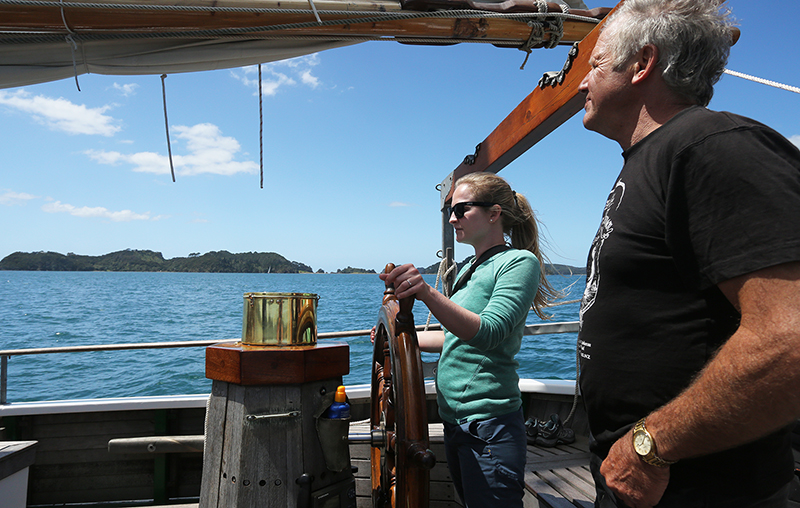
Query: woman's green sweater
[(477, 379)]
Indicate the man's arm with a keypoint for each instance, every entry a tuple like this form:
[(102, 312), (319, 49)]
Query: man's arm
[(748, 390)]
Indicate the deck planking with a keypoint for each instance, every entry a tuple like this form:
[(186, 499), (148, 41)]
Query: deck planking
[(556, 477), (559, 477)]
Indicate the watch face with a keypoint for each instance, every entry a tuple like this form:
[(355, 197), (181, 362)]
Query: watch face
[(642, 443)]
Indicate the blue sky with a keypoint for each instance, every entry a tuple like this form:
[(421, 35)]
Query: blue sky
[(355, 141)]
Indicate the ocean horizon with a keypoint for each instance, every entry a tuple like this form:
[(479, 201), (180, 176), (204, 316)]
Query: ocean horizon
[(56, 309)]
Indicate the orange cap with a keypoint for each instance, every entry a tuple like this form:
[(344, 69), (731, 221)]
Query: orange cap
[(340, 395)]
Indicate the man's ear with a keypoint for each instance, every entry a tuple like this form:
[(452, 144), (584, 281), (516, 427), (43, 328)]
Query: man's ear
[(644, 63)]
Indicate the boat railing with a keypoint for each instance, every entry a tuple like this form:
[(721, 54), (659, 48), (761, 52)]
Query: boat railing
[(536, 329)]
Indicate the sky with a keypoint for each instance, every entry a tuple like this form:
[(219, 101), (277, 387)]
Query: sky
[(356, 140)]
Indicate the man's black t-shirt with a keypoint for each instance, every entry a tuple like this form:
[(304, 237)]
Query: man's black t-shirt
[(707, 197)]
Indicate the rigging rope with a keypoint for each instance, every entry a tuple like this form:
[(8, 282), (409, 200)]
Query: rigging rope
[(166, 123), (441, 274), (260, 127), (762, 81), (73, 46)]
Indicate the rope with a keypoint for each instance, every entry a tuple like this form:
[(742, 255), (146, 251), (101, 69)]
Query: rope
[(763, 81), (166, 123), (341, 37), (73, 46), (577, 385), (314, 8), (260, 127), (441, 274)]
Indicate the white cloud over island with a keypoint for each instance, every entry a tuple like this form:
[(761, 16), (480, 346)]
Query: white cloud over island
[(209, 152), (97, 212)]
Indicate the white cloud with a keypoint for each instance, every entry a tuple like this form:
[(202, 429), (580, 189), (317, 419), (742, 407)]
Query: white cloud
[(10, 198), (97, 212), (308, 79), (61, 114), (795, 140), (277, 75), (126, 89), (209, 152)]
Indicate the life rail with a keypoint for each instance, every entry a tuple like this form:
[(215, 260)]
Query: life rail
[(537, 329)]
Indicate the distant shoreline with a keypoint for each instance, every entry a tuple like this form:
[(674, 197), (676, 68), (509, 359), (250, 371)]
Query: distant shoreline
[(130, 260)]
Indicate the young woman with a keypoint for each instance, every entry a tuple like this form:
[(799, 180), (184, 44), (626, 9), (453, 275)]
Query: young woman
[(477, 382)]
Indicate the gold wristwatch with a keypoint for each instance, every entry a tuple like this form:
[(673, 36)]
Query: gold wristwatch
[(645, 446)]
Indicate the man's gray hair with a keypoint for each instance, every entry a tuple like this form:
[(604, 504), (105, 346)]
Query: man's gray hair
[(693, 38)]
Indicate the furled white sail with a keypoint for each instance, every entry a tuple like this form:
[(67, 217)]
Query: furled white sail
[(26, 64)]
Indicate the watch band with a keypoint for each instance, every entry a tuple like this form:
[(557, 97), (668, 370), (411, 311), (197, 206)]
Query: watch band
[(651, 458)]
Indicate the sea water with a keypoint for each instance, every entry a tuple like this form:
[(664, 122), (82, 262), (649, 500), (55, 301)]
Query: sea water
[(56, 309)]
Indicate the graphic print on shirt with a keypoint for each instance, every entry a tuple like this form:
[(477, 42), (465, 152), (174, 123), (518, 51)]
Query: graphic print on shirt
[(603, 232)]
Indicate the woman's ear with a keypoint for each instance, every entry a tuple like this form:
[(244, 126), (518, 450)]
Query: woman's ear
[(495, 212)]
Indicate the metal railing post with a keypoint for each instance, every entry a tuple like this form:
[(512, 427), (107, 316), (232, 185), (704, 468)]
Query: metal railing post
[(3, 379)]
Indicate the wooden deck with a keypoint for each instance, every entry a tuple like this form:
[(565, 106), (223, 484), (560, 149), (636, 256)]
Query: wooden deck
[(559, 477), (442, 492), (73, 461), (556, 477)]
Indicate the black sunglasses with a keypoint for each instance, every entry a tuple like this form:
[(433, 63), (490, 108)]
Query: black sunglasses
[(458, 208)]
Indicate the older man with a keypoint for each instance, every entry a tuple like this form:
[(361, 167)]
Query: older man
[(690, 338)]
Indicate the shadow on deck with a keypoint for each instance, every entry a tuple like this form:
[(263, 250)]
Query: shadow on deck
[(559, 477), (556, 477)]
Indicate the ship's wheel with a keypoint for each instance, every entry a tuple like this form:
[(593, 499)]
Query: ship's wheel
[(400, 457)]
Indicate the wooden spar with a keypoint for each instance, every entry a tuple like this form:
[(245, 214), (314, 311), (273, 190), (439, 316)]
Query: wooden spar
[(539, 114), (499, 31), (108, 20), (535, 117)]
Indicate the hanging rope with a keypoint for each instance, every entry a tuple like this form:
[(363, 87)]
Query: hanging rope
[(577, 384), (166, 123), (763, 81), (442, 274), (260, 127), (71, 41)]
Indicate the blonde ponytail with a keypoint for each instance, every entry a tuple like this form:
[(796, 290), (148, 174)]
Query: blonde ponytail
[(519, 225)]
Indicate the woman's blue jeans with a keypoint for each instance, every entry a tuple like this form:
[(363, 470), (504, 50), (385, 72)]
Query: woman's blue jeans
[(486, 459)]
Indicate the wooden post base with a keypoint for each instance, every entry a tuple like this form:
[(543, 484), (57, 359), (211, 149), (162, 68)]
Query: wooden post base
[(262, 448)]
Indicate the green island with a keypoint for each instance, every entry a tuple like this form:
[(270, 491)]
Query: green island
[(131, 260)]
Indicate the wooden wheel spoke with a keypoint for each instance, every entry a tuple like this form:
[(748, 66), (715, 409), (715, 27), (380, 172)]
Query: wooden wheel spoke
[(400, 463)]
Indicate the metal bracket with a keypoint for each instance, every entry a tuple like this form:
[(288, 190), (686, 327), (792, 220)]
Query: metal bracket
[(290, 414), (553, 78), (444, 190), (469, 160)]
